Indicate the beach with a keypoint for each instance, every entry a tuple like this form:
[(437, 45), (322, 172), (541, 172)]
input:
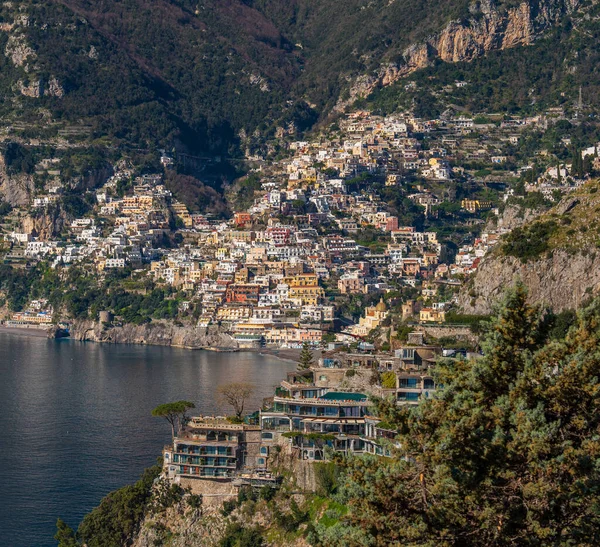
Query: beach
[(24, 331)]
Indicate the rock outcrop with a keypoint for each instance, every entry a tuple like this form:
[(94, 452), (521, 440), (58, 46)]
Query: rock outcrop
[(560, 281), (489, 29), (154, 334), (563, 275), (15, 189), (44, 225)]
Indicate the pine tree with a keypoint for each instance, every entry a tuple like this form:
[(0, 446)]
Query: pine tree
[(577, 163), (306, 357), (507, 453), (65, 535)]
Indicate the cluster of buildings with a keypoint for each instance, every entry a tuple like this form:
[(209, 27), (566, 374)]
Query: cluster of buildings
[(313, 413), (318, 230), (38, 314)]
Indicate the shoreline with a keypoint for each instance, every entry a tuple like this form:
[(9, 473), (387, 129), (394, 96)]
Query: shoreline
[(290, 355), (284, 354), (24, 331)]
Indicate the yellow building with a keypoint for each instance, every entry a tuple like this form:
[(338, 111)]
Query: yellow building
[(301, 280), (474, 205), (374, 316), (181, 212), (431, 315), (307, 296)]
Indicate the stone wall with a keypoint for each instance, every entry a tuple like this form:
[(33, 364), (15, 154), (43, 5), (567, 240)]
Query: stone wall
[(441, 331), (213, 492)]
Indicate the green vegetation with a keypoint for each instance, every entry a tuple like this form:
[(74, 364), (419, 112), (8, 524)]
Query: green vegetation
[(175, 413), (238, 536), (500, 456), (475, 322), (116, 520), (305, 361), (224, 73), (388, 380), (530, 241), (82, 295), (522, 79)]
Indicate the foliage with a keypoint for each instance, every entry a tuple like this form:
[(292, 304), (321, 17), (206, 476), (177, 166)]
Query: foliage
[(197, 196), (116, 520), (290, 521), (174, 413), (18, 159), (305, 360), (166, 494), (507, 453), (475, 322), (65, 535), (558, 324), (83, 295), (388, 380), (521, 79), (194, 501), (238, 536), (529, 241), (326, 478), (5, 208)]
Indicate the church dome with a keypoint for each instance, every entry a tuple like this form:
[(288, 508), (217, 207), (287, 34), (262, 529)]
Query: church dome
[(381, 306)]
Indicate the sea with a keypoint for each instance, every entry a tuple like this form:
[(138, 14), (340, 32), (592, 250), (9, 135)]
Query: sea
[(75, 420)]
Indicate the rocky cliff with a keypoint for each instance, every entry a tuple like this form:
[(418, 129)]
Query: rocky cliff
[(154, 334), (561, 281), (564, 274), (44, 224), (15, 189), (184, 526), (490, 28)]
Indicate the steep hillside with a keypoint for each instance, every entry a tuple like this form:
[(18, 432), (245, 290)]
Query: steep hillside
[(557, 256), (204, 74), (548, 72)]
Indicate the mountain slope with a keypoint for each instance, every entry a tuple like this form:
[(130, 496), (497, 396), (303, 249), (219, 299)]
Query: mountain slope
[(196, 74), (557, 256)]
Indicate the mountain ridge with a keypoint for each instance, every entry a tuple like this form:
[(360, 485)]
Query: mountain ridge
[(195, 74)]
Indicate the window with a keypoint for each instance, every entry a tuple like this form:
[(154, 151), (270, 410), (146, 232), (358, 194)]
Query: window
[(408, 382), (267, 436), (261, 461), (264, 450), (322, 378), (428, 383)]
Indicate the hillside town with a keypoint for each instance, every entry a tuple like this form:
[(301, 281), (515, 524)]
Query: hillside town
[(323, 224)]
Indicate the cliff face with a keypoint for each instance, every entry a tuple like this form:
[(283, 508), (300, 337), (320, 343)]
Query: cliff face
[(154, 334), (563, 275), (44, 225), (561, 281), (488, 30), (15, 189)]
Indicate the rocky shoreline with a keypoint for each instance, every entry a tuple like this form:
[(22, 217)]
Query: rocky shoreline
[(155, 334), (212, 338)]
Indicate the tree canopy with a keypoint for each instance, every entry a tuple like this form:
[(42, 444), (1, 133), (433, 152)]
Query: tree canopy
[(174, 413), (305, 360), (507, 453)]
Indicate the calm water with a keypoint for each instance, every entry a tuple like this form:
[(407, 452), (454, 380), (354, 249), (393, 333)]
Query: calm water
[(75, 421)]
